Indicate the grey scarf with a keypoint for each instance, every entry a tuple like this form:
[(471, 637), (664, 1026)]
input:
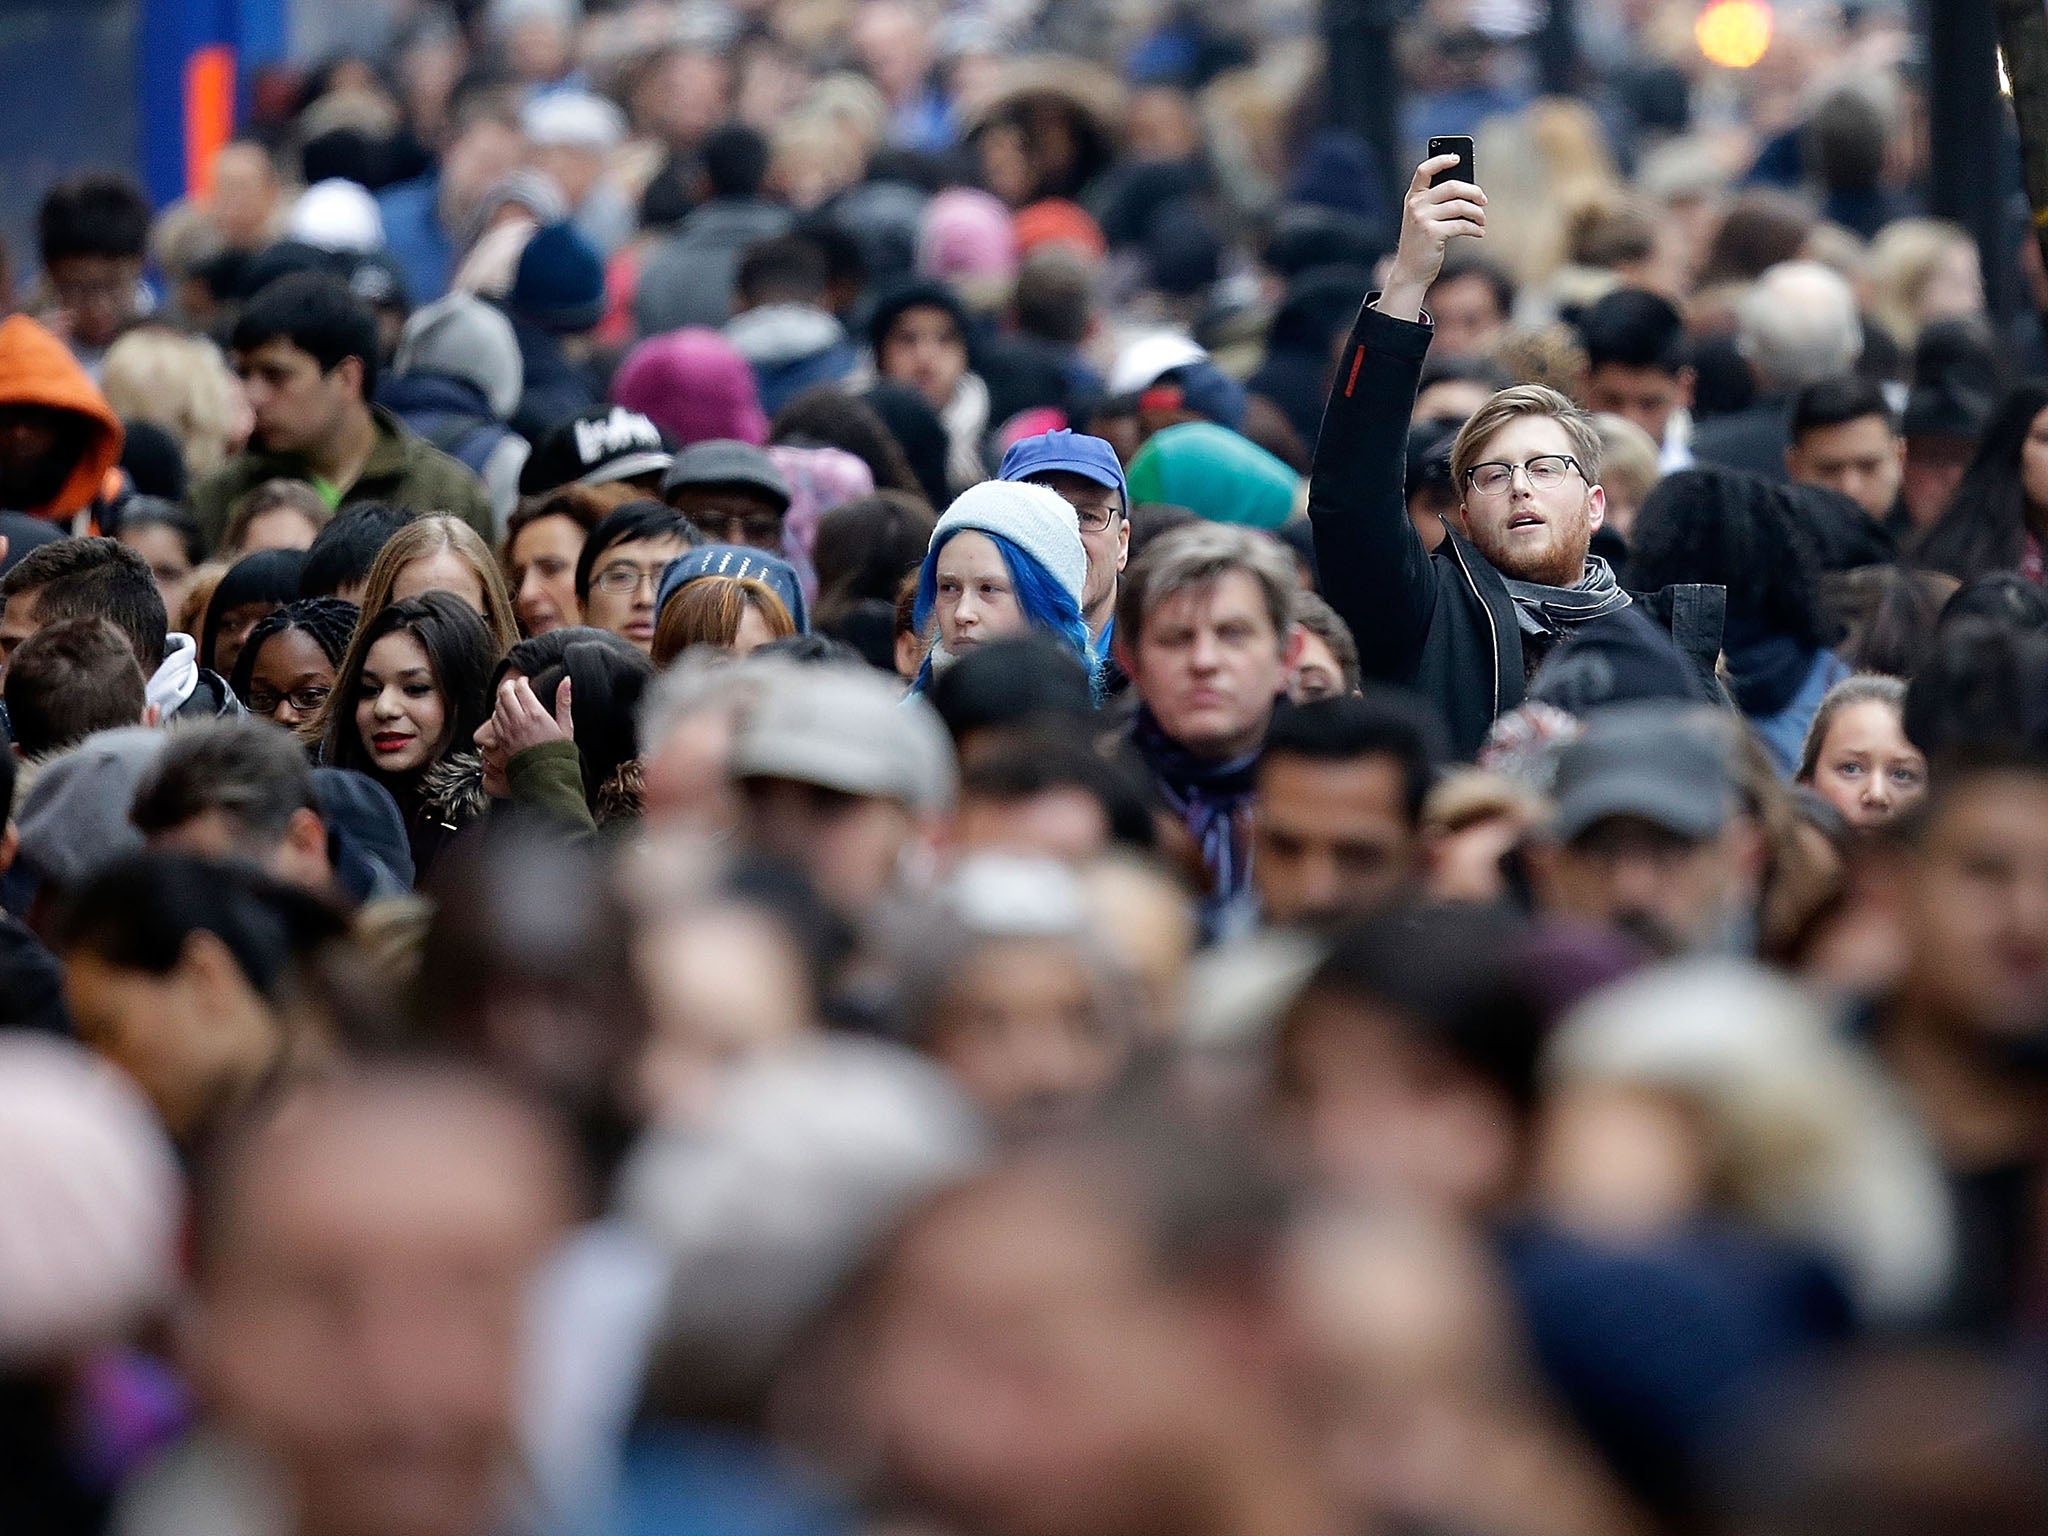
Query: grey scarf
[(1550, 611)]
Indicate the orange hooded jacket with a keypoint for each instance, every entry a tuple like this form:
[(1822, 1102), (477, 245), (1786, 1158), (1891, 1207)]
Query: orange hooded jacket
[(38, 369)]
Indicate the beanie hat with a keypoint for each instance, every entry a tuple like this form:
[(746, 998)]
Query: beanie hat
[(925, 293), (337, 215), (74, 818), (1055, 221), (741, 564), (967, 237), (1216, 475), (90, 1202), (1038, 521), (560, 282), (694, 385), (461, 337)]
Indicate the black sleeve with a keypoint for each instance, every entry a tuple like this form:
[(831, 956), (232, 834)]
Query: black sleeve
[(1372, 566)]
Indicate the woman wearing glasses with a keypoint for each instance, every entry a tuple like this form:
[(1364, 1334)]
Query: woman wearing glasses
[(286, 668)]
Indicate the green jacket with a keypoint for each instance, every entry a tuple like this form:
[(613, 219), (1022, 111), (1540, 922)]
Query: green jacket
[(403, 469), (549, 778)]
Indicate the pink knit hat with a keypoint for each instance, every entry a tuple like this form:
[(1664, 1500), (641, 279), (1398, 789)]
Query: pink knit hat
[(90, 1202), (819, 480), (967, 238), (695, 386)]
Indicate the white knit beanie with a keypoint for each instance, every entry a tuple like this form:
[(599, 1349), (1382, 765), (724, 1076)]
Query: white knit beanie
[(90, 1202), (1040, 522)]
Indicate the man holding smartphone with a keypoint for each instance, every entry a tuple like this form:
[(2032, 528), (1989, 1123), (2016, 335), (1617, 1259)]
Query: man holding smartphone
[(1512, 604)]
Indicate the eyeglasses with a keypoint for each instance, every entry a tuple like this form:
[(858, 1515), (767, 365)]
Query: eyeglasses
[(622, 580), (1094, 519), (763, 530), (306, 700), (1545, 471)]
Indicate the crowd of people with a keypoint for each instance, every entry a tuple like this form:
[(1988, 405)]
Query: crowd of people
[(857, 766)]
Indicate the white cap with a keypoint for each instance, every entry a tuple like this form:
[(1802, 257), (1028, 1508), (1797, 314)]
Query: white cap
[(1140, 364), (573, 120), (337, 215)]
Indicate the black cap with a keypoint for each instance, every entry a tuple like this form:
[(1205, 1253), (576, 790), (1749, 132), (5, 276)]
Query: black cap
[(725, 461), (596, 447)]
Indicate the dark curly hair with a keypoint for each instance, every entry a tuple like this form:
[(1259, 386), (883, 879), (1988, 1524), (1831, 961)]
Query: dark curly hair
[(1737, 531), (331, 621)]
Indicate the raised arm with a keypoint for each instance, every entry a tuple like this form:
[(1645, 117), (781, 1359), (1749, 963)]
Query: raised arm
[(1373, 568)]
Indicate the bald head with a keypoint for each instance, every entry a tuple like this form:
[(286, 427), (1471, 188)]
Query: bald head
[(1798, 325)]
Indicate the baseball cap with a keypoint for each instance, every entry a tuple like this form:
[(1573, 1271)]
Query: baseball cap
[(596, 447), (845, 728), (727, 461), (1146, 360), (1663, 764), (1067, 451)]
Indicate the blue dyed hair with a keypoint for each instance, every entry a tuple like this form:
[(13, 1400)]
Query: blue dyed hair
[(1046, 604)]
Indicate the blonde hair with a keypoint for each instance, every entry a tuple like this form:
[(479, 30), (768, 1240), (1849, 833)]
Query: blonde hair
[(426, 537), (1629, 462), (709, 611), (1903, 258), (179, 383), (1513, 404)]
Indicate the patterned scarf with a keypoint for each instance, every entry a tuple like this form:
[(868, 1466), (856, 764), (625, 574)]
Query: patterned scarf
[(1550, 611), (1208, 797)]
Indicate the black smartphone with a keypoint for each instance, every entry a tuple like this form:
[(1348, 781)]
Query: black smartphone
[(1459, 144)]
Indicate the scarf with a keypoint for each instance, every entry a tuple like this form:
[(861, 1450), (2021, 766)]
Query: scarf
[(1765, 669), (1207, 796), (1550, 611)]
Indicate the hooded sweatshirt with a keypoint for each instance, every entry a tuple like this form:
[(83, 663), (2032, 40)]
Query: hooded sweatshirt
[(38, 369)]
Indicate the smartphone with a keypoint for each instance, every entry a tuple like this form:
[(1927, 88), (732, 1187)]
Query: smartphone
[(1459, 144)]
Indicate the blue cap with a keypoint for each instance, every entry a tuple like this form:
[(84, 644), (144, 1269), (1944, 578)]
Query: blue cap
[(1075, 453), (742, 564)]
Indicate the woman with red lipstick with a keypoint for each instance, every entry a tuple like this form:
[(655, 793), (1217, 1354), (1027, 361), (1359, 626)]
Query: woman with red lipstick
[(413, 689)]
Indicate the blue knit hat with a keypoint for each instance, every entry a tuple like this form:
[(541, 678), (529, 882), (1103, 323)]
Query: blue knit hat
[(560, 282), (1069, 452), (1038, 521), (742, 564)]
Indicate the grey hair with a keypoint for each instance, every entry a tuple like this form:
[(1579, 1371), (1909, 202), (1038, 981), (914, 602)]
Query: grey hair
[(1797, 325), (1198, 555)]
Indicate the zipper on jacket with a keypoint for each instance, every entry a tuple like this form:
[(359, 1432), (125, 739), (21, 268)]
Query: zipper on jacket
[(1492, 629)]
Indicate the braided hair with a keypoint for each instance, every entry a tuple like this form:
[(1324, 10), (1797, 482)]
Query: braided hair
[(329, 620)]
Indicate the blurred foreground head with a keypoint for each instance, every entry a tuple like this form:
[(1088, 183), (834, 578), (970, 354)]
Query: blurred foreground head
[(363, 1257), (528, 970), (1649, 835), (1891, 1440), (1065, 1348)]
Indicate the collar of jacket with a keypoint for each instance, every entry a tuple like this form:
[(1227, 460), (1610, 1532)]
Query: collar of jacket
[(392, 448), (389, 453)]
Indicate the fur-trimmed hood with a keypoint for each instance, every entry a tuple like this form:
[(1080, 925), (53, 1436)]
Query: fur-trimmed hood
[(451, 792)]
